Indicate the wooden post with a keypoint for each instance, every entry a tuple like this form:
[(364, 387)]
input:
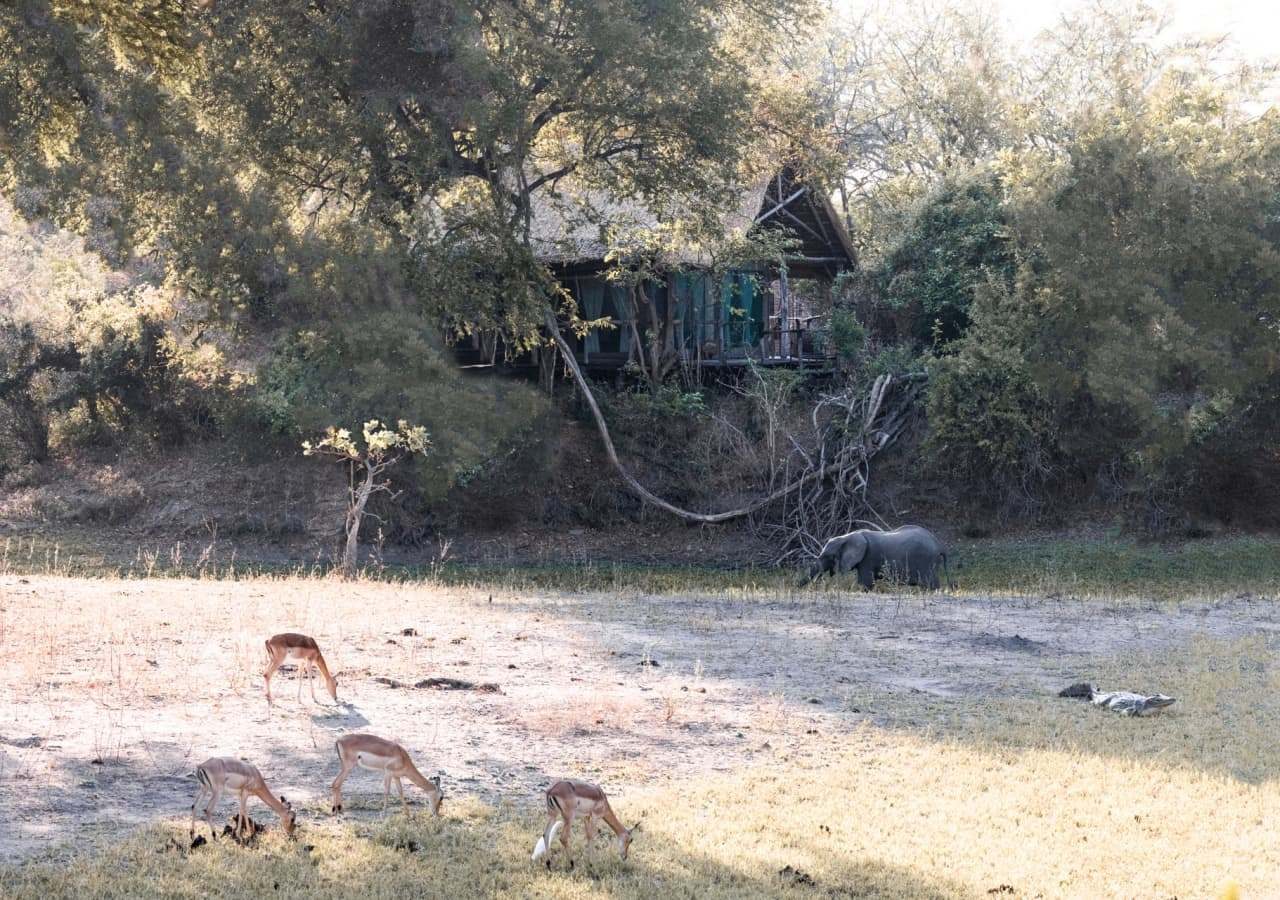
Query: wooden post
[(719, 295), (577, 298), (784, 303)]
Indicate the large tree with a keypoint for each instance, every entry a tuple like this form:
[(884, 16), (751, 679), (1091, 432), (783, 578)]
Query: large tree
[(309, 166), (225, 134)]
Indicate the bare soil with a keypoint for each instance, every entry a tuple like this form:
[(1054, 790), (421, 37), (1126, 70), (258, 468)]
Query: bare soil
[(111, 691)]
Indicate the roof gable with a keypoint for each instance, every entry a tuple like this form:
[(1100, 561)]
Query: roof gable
[(580, 226)]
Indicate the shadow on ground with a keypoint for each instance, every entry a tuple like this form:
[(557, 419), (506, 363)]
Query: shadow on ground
[(452, 858)]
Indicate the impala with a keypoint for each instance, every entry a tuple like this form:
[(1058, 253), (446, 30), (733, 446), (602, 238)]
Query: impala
[(568, 799), (226, 773), (307, 651), (379, 755)]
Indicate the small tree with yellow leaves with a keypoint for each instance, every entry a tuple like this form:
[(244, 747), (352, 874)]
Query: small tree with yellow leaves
[(382, 448)]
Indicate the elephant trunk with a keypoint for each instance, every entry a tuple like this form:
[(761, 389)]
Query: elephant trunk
[(814, 571)]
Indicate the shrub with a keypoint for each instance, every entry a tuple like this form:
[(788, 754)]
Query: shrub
[(848, 337), (1228, 471), (992, 432)]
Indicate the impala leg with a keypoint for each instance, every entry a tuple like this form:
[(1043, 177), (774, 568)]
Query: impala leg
[(242, 824), (336, 787), (386, 792), (589, 826), (311, 679), (194, 804), (404, 804), (564, 835), (271, 670), (215, 794), (298, 672), (552, 815)]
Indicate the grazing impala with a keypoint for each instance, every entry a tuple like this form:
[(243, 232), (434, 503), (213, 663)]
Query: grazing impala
[(387, 757), (568, 799), (307, 651), (225, 773)]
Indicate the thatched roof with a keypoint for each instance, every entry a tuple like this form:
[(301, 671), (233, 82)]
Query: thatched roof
[(580, 226)]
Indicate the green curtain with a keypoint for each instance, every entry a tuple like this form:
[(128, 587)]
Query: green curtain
[(743, 304), (622, 314), (741, 310), (682, 287), (696, 317), (591, 296)]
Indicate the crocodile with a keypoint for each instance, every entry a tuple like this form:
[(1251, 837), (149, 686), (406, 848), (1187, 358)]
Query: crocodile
[(1124, 702)]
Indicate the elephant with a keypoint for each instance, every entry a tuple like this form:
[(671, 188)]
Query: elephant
[(910, 553)]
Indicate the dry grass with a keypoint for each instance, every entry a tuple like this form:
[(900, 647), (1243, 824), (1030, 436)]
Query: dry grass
[(959, 794)]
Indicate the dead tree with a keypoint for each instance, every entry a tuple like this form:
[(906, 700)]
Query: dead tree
[(831, 466)]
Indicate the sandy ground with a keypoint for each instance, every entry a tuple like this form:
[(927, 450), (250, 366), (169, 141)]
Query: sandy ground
[(112, 691)]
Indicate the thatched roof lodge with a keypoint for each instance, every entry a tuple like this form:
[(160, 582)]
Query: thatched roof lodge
[(753, 312)]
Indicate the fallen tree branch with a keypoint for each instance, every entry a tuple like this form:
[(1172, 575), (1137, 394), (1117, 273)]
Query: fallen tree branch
[(635, 486)]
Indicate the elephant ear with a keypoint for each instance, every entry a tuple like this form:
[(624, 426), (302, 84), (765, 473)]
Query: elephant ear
[(855, 547)]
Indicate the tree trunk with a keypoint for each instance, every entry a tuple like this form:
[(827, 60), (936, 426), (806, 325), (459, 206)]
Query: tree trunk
[(31, 427), (355, 515)]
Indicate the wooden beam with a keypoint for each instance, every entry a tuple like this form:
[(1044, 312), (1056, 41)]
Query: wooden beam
[(781, 206), (818, 216), (802, 224)]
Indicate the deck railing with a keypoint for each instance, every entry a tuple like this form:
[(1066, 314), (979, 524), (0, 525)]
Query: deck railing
[(806, 343)]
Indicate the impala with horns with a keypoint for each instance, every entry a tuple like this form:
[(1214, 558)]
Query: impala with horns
[(304, 649), (224, 773), (391, 760), (567, 800)]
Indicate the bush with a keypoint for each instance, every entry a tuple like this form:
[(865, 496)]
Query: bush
[(847, 334), (658, 427), (29, 392), (1130, 357), (1229, 470), (992, 432), (510, 486)]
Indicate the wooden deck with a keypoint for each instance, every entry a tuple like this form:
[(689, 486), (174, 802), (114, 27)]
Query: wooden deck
[(794, 349)]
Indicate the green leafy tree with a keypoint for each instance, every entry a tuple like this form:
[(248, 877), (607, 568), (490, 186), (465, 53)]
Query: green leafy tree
[(295, 166), (1146, 313), (436, 124), (956, 243), (992, 431), (1161, 276)]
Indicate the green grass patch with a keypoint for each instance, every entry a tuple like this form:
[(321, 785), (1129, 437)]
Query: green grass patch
[(1120, 566), (1094, 566)]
